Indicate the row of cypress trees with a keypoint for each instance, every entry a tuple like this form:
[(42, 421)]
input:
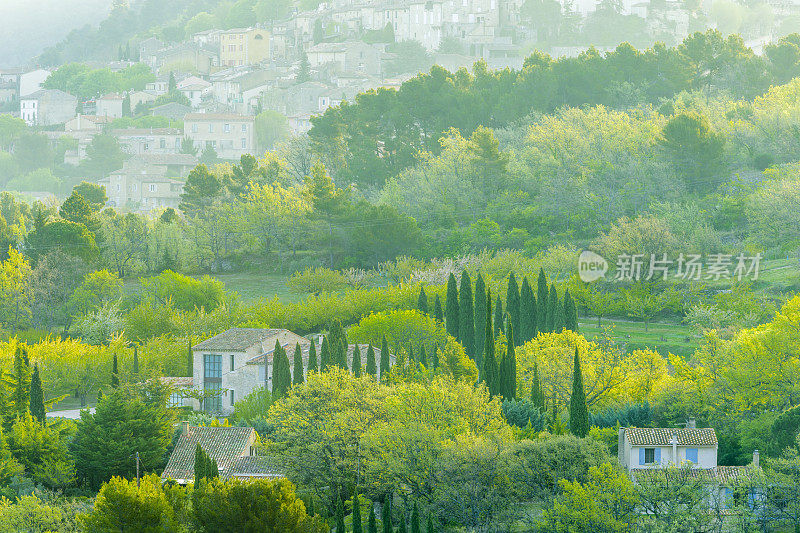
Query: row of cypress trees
[(414, 525), (26, 389), (527, 312)]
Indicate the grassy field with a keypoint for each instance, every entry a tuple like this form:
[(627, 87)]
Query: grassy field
[(664, 337)]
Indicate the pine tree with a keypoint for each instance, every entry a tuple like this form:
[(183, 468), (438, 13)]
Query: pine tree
[(357, 526), (371, 369), (135, 358), (312, 359), (325, 354), (438, 314), (508, 369), (403, 528), (297, 375), (578, 413), (527, 313), (489, 373), (480, 319), (422, 301), (451, 322), (384, 359), (430, 528), (423, 357), (372, 524), (115, 372), (498, 316), (356, 361), (512, 301), (466, 316), (339, 516), (542, 297), (386, 515), (415, 520), (537, 394), (37, 396), (570, 312), (552, 304)]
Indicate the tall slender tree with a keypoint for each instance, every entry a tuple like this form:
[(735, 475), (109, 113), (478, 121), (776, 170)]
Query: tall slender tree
[(325, 354), (508, 369), (356, 366), (537, 393), (466, 316), (438, 314), (435, 357), (498, 316), (542, 298), (559, 322), (312, 359), (422, 301), (115, 372), (371, 368), (341, 355), (480, 319), (384, 359), (281, 375), (512, 301), (490, 369), (451, 320), (527, 313), (297, 374), (430, 528), (552, 306), (403, 528), (570, 312), (386, 515), (37, 396), (415, 526), (357, 525), (578, 413), (340, 528), (372, 523)]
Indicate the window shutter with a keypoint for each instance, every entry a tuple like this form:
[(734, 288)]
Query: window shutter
[(641, 456), (658, 456)]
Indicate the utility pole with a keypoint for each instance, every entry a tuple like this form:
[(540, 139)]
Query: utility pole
[(137, 470)]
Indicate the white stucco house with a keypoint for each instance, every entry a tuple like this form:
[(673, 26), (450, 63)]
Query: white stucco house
[(642, 448)]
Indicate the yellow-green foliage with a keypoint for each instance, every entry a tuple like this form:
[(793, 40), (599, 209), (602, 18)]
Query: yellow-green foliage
[(400, 326)]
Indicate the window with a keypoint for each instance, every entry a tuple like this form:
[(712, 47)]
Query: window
[(226, 128), (691, 455), (233, 401), (212, 366), (212, 382), (649, 456), (210, 128), (162, 143), (232, 362), (244, 143), (213, 396), (194, 128), (151, 187), (175, 400), (244, 127)]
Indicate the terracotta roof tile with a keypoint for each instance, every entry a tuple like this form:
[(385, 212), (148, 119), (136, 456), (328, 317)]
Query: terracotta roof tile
[(223, 444), (251, 466), (663, 436), (236, 339)]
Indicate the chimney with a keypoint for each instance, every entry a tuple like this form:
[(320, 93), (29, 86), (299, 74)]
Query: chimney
[(756, 458), (184, 427), (691, 423)]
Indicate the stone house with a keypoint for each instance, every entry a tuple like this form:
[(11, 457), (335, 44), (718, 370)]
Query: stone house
[(109, 105), (230, 135), (138, 141), (233, 448), (46, 107)]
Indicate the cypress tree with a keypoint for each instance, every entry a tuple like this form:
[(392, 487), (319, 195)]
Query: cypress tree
[(542, 297), (422, 301), (403, 528), (559, 321), (384, 359), (480, 319), (213, 468), (357, 526), (325, 354), (451, 321), (489, 373), (423, 357), (578, 413), (115, 372), (435, 357), (201, 464), (339, 516), (281, 375), (312, 359), (552, 304), (356, 361), (190, 360), (498, 316), (508, 367), (570, 312), (537, 394), (37, 396), (297, 376), (386, 515), (466, 316), (415, 520), (372, 525), (527, 314), (438, 314), (135, 358), (430, 528), (512, 301), (371, 369), (337, 334)]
